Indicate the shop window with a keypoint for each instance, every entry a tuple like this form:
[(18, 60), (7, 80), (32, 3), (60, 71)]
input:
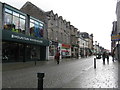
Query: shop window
[(22, 25), (15, 14), (8, 21), (35, 52), (31, 29), (36, 28), (52, 50), (14, 21)]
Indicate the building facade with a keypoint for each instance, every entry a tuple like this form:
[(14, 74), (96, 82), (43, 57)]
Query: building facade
[(22, 36), (115, 34), (118, 30), (33, 34), (74, 42), (82, 45), (89, 43), (114, 41), (59, 35)]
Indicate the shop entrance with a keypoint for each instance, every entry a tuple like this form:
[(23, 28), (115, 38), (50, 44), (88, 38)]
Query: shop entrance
[(12, 52), (16, 52)]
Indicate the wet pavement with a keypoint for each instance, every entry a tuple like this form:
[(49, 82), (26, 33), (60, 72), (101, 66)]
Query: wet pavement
[(104, 76), (70, 73)]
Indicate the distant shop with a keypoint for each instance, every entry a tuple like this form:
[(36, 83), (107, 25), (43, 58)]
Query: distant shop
[(65, 51), (52, 49)]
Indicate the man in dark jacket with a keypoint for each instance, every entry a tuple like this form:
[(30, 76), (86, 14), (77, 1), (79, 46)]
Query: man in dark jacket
[(104, 56)]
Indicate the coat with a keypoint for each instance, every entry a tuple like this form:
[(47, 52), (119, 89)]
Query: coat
[(57, 56)]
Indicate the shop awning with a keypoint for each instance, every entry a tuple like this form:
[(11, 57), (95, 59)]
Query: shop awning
[(22, 38)]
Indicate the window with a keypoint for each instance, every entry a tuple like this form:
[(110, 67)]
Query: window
[(8, 11), (8, 21), (36, 28), (52, 49), (31, 29), (14, 21), (22, 25)]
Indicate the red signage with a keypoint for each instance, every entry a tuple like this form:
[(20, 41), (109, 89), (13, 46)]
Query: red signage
[(65, 51), (65, 46)]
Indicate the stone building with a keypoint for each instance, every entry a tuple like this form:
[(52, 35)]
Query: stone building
[(115, 35), (89, 40), (74, 41), (58, 34), (52, 33)]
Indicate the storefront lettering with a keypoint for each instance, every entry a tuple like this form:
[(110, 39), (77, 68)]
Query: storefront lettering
[(25, 38), (19, 37), (34, 40)]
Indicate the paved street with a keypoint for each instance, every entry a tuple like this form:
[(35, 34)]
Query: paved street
[(70, 73)]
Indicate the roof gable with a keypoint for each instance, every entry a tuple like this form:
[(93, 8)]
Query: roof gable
[(33, 10)]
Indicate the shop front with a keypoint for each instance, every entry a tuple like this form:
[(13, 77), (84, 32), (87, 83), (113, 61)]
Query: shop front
[(18, 47), (65, 51), (75, 51), (52, 49)]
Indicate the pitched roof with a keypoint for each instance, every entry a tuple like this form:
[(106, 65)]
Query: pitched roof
[(33, 11)]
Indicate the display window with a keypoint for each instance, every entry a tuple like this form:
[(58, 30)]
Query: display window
[(52, 50), (14, 21), (19, 52), (22, 25), (65, 50), (8, 18), (36, 28)]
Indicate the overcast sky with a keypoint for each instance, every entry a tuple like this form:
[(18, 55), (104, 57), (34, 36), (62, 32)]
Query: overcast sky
[(92, 16)]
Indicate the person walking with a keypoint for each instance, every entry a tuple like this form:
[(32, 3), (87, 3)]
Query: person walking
[(57, 57), (104, 56), (107, 56), (113, 55)]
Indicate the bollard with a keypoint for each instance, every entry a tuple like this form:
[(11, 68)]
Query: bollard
[(40, 80), (94, 62)]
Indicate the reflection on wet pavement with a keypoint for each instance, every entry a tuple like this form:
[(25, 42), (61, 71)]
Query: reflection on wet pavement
[(104, 76)]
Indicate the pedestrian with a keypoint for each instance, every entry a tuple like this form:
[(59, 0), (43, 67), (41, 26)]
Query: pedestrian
[(57, 57), (77, 55), (113, 55), (104, 56), (107, 56)]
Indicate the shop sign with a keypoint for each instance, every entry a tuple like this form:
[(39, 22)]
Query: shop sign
[(65, 46), (115, 37), (25, 38), (65, 51), (22, 38), (53, 43)]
